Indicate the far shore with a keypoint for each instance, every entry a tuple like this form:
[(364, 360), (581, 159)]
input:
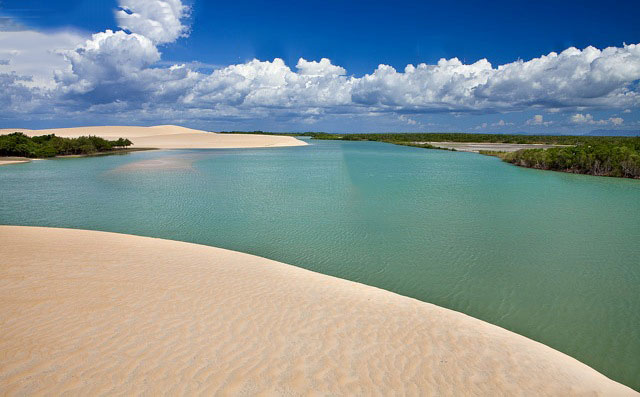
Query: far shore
[(86, 313), (477, 147), (168, 137)]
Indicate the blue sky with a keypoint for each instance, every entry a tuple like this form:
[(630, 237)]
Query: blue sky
[(356, 37)]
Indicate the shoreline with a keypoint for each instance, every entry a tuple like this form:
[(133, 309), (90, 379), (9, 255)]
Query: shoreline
[(168, 137), (90, 312), (479, 147), (10, 160)]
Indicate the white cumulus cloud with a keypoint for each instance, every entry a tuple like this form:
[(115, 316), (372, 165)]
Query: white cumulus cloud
[(501, 123), (106, 59), (158, 20), (580, 118), (448, 85), (322, 68), (589, 77), (265, 84), (538, 119)]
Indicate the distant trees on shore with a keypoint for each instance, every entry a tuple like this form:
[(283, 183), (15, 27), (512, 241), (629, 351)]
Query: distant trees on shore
[(598, 159), (19, 144), (404, 138)]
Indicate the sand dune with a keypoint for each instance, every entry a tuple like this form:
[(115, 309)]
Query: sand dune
[(169, 137), (94, 313)]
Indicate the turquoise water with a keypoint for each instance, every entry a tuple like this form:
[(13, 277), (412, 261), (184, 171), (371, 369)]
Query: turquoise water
[(552, 256)]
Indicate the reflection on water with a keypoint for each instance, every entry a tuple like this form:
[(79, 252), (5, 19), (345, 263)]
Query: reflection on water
[(182, 162)]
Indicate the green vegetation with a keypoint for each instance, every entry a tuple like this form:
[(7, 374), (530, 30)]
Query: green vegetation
[(18, 144), (619, 160)]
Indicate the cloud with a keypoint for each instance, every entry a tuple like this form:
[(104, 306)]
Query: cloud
[(448, 85), (36, 54), (158, 20), (580, 118), (15, 97), (590, 78), (501, 123), (63, 74), (108, 66), (407, 120), (538, 119), (627, 111), (316, 87), (322, 68), (29, 60)]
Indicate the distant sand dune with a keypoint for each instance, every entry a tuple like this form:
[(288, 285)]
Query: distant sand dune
[(169, 137), (94, 313)]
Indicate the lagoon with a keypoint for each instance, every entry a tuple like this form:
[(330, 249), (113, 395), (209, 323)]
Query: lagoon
[(552, 256)]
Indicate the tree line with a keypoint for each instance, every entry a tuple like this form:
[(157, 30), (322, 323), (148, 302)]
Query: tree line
[(619, 160), (19, 144), (405, 138)]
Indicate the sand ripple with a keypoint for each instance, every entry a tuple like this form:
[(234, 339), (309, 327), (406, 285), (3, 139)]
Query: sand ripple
[(93, 313)]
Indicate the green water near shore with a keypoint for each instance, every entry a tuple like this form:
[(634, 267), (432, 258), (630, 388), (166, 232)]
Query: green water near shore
[(552, 256)]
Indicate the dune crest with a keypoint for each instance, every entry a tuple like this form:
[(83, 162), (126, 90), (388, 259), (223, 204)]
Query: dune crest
[(168, 137), (89, 313)]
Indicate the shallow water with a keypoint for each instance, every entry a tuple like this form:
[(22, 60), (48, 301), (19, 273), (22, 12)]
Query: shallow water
[(552, 256)]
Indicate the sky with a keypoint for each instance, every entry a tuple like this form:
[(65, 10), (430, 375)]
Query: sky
[(356, 66)]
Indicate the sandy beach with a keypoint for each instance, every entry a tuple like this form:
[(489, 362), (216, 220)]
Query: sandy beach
[(13, 160), (95, 313), (168, 137)]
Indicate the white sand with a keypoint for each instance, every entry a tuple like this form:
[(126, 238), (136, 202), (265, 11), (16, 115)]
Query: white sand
[(168, 137), (93, 313), (8, 162)]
